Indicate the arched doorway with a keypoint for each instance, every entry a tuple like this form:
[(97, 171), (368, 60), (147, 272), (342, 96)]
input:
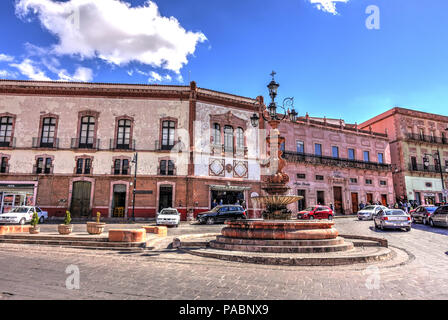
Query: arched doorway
[(80, 206)]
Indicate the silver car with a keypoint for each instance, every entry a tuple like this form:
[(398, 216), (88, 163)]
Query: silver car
[(369, 212), (392, 219), (439, 217)]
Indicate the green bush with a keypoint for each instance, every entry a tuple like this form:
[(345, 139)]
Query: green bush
[(68, 218), (35, 219)]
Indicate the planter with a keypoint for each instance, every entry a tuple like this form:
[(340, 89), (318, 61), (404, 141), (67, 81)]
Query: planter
[(34, 230), (65, 229), (95, 227)]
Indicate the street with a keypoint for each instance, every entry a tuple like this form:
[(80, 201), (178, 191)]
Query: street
[(418, 272)]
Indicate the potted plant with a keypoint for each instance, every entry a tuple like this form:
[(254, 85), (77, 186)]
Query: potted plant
[(34, 229), (66, 228), (96, 227)]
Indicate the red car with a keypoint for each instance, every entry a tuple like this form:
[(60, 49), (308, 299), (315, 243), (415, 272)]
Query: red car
[(316, 212)]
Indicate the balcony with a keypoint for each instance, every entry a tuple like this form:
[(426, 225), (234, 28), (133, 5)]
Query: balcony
[(8, 143), (337, 162), (422, 168), (37, 143), (114, 145), (426, 138), (221, 150), (93, 144)]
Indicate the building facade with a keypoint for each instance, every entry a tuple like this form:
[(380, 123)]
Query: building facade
[(417, 141), (336, 165), (71, 146)]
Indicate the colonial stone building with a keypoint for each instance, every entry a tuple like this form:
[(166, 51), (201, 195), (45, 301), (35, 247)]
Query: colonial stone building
[(417, 140), (333, 163), (71, 145)]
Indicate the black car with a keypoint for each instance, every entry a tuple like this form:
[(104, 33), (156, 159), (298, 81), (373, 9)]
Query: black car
[(423, 213), (219, 214)]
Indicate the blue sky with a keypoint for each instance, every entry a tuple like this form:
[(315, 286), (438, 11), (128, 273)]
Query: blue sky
[(325, 57)]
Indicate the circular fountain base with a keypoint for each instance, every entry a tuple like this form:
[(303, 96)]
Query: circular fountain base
[(310, 243)]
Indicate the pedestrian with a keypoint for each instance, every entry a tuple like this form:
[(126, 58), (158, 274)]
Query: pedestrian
[(220, 202), (331, 206), (361, 205), (214, 203)]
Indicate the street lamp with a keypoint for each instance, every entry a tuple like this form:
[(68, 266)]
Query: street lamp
[(135, 162)]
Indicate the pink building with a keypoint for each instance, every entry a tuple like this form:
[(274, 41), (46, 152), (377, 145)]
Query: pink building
[(332, 163)]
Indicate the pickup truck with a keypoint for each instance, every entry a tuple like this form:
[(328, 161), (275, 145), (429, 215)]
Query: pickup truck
[(22, 215)]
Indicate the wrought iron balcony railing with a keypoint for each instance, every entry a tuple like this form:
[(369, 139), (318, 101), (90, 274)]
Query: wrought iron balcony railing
[(89, 143), (114, 144), (423, 168), (338, 162), (38, 143), (426, 138)]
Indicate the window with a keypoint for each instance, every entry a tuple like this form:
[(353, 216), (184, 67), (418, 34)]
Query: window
[(43, 165), (124, 134), (87, 132), (380, 158), (216, 134), (166, 168), (319, 178), (318, 149), (422, 134), (383, 183), (301, 176), (121, 166), (366, 156), (443, 137), (351, 154), (48, 132), (83, 166), (369, 181), (4, 165), (414, 163), (5, 131), (335, 152), (353, 180), (425, 163), (428, 184), (228, 139), (168, 128), (240, 138), (300, 147)]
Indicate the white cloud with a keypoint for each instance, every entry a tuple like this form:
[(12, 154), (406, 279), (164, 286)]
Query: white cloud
[(28, 69), (327, 5), (8, 74), (81, 75), (154, 77), (115, 31), (6, 58)]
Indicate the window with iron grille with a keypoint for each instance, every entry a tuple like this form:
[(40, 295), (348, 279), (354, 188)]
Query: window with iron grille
[(43, 165), (168, 128), (166, 167), (124, 134), (48, 132), (83, 166), (86, 137), (5, 131), (121, 166)]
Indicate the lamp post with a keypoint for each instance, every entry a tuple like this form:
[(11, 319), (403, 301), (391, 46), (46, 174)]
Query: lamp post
[(436, 156), (135, 162)]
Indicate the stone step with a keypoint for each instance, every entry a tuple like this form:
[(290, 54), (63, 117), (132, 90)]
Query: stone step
[(289, 243), (357, 255), (57, 237), (84, 244), (281, 249)]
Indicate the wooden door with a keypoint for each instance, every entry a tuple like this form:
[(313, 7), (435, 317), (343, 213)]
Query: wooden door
[(80, 206), (355, 202), (337, 193)]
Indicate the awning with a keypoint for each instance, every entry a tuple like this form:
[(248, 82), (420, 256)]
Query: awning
[(228, 188)]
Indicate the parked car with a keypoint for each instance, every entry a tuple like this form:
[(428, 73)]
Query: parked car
[(168, 217), (369, 212), (316, 212), (392, 219), (440, 217), (221, 213), (423, 213), (22, 215)]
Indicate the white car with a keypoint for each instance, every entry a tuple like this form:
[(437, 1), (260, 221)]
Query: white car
[(370, 211), (22, 215), (168, 217)]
